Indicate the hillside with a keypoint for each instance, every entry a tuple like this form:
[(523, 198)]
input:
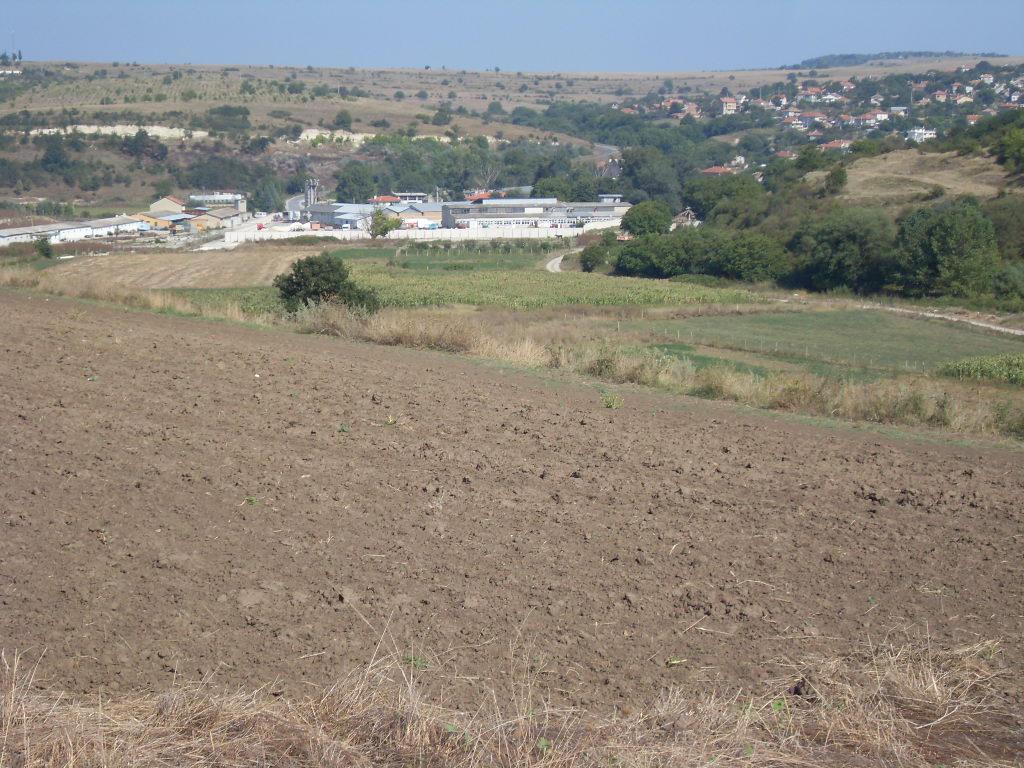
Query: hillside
[(265, 129), (905, 177)]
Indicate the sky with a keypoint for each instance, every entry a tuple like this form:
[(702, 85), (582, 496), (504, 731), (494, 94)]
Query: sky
[(517, 35)]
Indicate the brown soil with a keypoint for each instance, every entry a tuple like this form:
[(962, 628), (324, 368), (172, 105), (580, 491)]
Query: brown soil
[(185, 498)]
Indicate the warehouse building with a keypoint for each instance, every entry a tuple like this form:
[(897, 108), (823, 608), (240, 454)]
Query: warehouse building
[(531, 212), (71, 231)]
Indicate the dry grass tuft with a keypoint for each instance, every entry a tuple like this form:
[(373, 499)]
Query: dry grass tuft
[(906, 705)]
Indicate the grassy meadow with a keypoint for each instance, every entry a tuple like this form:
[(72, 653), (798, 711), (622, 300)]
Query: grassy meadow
[(856, 339)]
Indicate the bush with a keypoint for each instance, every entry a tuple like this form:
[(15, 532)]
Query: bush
[(44, 248), (322, 279)]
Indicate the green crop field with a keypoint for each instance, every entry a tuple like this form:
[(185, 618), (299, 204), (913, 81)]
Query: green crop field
[(1007, 368), (531, 289), (473, 255), (869, 339), (520, 289), (456, 257)]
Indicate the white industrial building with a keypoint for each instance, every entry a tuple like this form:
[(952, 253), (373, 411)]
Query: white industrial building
[(69, 232), (531, 212)]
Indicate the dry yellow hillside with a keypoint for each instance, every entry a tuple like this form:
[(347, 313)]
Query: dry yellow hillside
[(903, 177)]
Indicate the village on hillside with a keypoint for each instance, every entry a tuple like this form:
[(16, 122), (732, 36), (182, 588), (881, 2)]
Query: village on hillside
[(834, 113)]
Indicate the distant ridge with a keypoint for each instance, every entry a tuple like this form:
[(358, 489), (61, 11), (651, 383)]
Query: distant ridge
[(854, 59)]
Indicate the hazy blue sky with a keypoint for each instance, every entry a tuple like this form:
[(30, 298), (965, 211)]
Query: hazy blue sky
[(528, 35)]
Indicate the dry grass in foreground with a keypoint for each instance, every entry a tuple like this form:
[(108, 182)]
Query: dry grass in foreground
[(893, 705)]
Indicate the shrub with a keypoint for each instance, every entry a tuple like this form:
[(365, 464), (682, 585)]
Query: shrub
[(322, 279), (44, 248)]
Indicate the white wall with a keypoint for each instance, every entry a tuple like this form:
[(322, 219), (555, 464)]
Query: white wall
[(490, 233)]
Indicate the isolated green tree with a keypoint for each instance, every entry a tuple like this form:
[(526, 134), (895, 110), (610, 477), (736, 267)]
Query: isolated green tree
[(650, 218), (593, 256), (319, 279), (381, 224), (343, 120), (44, 248)]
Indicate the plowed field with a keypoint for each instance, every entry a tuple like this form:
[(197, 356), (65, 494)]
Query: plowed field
[(182, 498)]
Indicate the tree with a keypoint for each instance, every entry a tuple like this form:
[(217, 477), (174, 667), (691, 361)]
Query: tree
[(355, 183), (44, 248), (268, 194), (443, 116), (55, 157), (836, 180), (343, 120), (381, 224), (553, 186), (703, 193), (953, 252), (322, 279), (650, 218), (849, 247), (646, 170), (1007, 216), (1010, 150), (593, 256)]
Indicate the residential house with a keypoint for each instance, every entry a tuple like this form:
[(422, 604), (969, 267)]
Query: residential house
[(920, 134), (716, 170), (811, 118), (685, 219)]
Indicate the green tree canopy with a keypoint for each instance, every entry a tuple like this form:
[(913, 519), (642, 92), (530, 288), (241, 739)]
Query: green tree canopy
[(44, 248), (381, 224), (849, 247), (703, 193), (343, 120), (355, 183), (951, 252), (649, 218), (322, 278), (648, 172)]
